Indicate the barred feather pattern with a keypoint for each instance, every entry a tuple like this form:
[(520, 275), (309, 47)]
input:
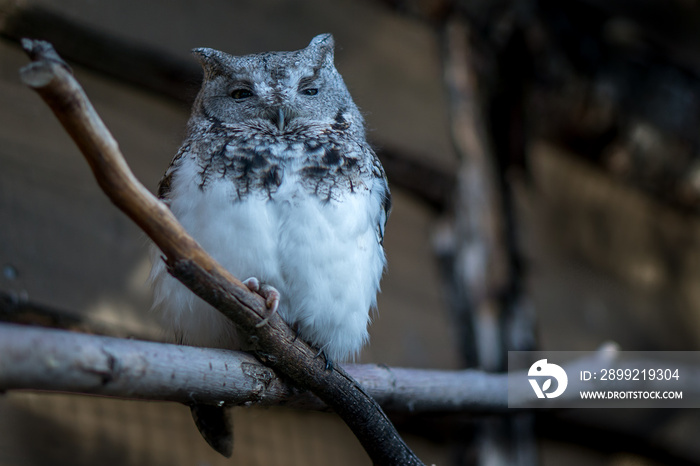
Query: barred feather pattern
[(302, 209)]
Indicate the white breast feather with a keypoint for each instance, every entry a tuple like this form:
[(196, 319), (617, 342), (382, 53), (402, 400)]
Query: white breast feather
[(323, 257)]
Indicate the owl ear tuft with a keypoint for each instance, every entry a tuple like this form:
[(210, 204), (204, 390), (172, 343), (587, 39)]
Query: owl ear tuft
[(322, 47), (212, 61)]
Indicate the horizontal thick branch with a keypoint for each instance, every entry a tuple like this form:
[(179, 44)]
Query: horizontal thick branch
[(58, 360), (35, 358)]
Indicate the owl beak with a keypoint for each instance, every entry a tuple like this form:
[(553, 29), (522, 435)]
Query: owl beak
[(280, 119), (277, 117)]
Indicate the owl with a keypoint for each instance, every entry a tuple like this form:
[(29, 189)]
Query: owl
[(276, 181)]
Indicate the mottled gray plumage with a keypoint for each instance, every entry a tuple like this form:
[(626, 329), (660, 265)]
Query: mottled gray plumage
[(276, 180)]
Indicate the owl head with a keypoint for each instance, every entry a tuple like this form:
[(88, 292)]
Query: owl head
[(280, 90)]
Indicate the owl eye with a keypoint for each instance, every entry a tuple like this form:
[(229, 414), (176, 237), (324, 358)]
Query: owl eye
[(309, 91), (239, 94)]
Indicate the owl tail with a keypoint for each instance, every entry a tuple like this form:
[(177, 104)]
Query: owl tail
[(216, 426)]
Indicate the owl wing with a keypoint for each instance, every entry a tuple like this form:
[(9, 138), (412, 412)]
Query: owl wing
[(164, 185), (382, 185)]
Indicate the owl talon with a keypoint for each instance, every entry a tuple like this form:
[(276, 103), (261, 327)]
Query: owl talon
[(329, 361), (269, 293)]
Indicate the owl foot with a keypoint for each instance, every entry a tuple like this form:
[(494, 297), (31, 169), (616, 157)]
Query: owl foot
[(269, 293), (329, 361), (295, 329)]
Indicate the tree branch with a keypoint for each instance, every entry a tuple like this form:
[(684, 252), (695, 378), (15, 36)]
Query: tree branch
[(15, 309), (486, 296), (58, 360), (37, 358), (275, 344), (427, 183)]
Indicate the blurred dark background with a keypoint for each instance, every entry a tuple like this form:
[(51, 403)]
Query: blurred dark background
[(545, 164)]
